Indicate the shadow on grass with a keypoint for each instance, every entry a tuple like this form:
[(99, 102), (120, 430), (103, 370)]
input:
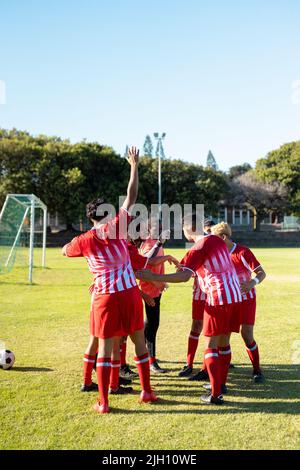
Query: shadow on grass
[(30, 369), (273, 397)]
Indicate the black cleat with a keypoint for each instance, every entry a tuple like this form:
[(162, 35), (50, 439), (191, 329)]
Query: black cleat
[(127, 373), (123, 381), (154, 367), (231, 366), (89, 388), (224, 389), (258, 378), (210, 400), (120, 390), (201, 375), (186, 371)]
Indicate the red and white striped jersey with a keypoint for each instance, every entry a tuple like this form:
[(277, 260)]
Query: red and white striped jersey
[(245, 263), (137, 261), (210, 259), (199, 288), (108, 258)]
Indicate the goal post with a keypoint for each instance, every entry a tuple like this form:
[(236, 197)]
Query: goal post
[(18, 218)]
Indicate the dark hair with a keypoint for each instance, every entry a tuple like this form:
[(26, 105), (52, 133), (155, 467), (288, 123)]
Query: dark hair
[(91, 210)]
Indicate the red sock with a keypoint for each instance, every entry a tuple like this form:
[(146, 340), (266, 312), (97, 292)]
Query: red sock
[(253, 353), (192, 347), (123, 349), (103, 374), (88, 365), (204, 365), (114, 375), (213, 369), (142, 363), (224, 359)]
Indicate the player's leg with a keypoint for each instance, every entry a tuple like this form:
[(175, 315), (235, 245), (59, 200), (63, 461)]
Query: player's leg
[(248, 315), (151, 328), (213, 368), (114, 387), (126, 374), (193, 341), (88, 365), (247, 333), (142, 363), (103, 373), (224, 358)]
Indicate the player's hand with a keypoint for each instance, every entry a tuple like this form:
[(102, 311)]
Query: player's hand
[(149, 300), (133, 156), (246, 286), (173, 260), (144, 275)]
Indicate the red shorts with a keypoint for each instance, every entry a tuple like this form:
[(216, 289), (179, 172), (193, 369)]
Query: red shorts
[(117, 314), (221, 319), (198, 309), (248, 311)]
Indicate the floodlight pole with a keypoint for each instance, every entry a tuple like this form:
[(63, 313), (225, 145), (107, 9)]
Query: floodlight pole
[(31, 242), (159, 154), (44, 238)]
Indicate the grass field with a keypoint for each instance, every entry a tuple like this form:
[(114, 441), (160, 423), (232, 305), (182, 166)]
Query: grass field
[(46, 325)]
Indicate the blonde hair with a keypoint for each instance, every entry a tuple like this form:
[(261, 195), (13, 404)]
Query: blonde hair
[(222, 229)]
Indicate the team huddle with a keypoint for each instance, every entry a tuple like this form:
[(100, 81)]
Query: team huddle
[(223, 300)]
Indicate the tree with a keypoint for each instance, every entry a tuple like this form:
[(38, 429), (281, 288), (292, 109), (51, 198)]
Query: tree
[(148, 147), (211, 161), (238, 170), (262, 198), (283, 165)]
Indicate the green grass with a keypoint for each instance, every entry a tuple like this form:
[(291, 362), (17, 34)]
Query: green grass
[(46, 325)]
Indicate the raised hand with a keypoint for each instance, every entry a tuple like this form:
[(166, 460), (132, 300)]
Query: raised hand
[(133, 156), (173, 260)]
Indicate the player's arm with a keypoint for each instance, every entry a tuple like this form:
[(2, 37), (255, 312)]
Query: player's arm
[(180, 276), (72, 249), (132, 188), (162, 259), (249, 260), (160, 242)]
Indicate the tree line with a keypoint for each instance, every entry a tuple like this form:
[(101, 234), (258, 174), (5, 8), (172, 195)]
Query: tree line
[(66, 176)]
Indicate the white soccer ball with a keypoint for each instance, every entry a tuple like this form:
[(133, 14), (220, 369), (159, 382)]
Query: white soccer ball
[(7, 359)]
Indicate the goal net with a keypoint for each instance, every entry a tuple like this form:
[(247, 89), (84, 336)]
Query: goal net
[(23, 227)]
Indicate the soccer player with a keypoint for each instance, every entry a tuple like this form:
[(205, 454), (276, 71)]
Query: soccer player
[(198, 305), (116, 307), (211, 255), (246, 265), (155, 291)]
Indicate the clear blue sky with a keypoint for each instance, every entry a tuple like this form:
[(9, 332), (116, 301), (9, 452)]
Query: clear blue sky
[(211, 74)]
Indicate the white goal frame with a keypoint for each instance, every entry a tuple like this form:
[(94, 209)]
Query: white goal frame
[(30, 202)]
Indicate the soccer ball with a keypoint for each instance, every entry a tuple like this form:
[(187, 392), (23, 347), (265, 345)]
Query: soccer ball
[(7, 359)]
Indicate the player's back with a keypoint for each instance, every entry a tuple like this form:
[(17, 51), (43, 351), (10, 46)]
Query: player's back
[(220, 279), (108, 261)]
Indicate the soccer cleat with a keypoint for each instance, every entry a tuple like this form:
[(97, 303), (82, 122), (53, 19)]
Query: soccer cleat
[(89, 388), (120, 391), (123, 381), (127, 373), (186, 371), (154, 367), (258, 377), (224, 389), (148, 397), (101, 409), (201, 375), (210, 400)]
